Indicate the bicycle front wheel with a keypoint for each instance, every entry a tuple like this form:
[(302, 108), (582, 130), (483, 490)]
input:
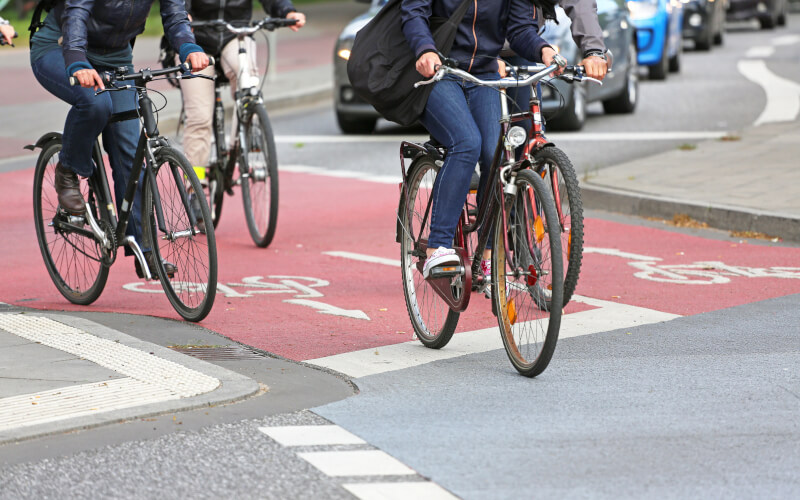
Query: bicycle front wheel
[(171, 236), (558, 173), (527, 273), (259, 177), (432, 319), (73, 259)]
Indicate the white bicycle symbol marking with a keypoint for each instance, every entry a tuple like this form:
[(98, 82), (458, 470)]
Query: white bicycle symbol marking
[(255, 285), (697, 273)]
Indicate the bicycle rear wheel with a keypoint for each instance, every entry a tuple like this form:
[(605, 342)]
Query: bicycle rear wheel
[(260, 177), (433, 320), (191, 290), (558, 173), (527, 273), (73, 260)]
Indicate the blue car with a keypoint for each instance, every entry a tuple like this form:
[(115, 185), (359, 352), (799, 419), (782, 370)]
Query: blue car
[(659, 36)]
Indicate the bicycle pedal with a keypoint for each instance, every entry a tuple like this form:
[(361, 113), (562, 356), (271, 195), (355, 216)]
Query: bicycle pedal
[(446, 272)]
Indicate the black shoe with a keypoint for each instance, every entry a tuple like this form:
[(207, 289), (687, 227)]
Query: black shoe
[(169, 267), (68, 189)]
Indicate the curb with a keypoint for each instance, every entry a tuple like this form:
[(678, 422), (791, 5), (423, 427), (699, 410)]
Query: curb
[(724, 217), (233, 386)]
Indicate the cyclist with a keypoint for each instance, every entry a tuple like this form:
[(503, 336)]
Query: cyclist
[(7, 31), (84, 37), (198, 94), (464, 117)]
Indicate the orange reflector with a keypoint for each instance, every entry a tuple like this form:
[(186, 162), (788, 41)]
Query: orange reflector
[(569, 243), (544, 173), (538, 229), (448, 269), (512, 311)]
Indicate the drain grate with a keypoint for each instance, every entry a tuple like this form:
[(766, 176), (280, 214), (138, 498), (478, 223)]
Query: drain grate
[(218, 353)]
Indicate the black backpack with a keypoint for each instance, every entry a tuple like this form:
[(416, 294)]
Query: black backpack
[(36, 20), (382, 69)]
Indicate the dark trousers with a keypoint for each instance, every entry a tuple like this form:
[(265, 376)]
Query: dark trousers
[(88, 118)]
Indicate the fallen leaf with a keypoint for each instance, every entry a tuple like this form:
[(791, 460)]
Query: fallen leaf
[(615, 296), (383, 309), (627, 333)]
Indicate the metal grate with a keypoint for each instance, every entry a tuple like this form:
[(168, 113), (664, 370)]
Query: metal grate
[(218, 353)]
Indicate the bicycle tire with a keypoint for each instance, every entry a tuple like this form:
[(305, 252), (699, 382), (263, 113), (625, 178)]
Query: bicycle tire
[(432, 319), (192, 289), (527, 266), (570, 213), (215, 193), (72, 260), (260, 185)]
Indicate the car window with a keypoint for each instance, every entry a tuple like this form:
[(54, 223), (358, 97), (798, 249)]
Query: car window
[(604, 6)]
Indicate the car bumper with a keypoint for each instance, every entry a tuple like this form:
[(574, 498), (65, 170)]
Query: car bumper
[(650, 39)]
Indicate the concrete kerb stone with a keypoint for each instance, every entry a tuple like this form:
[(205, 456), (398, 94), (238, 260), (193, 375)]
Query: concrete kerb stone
[(722, 217), (233, 386)]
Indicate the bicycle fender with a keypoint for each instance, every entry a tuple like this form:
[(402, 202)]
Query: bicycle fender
[(44, 140)]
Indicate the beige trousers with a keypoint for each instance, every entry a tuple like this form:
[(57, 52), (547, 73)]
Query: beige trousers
[(198, 102)]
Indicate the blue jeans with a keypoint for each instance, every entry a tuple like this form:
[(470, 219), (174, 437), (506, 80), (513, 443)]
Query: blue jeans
[(465, 118), (89, 117)]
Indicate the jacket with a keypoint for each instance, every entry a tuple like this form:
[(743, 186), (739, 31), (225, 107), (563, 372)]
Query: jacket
[(110, 25), (213, 41), (585, 27), (480, 35)]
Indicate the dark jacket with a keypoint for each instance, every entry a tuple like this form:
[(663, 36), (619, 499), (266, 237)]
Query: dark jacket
[(229, 10), (109, 25), (480, 35)]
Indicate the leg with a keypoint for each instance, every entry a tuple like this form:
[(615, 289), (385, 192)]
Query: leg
[(229, 59), (447, 117), (198, 105)]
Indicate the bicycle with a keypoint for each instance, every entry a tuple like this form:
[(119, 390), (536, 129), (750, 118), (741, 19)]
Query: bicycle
[(253, 148), (78, 257), (517, 212)]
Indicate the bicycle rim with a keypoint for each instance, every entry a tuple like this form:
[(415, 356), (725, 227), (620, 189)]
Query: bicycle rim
[(558, 173), (192, 288), (432, 319), (72, 260), (527, 271), (260, 185)]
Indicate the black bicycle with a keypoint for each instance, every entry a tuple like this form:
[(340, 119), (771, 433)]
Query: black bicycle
[(252, 153), (78, 250)]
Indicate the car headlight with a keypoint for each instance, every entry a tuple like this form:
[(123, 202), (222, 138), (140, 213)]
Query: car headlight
[(643, 9), (344, 54)]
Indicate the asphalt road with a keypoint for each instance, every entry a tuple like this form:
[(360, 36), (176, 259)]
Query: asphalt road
[(703, 403)]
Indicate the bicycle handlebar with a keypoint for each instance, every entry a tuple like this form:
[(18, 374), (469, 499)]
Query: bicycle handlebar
[(268, 23), (145, 75)]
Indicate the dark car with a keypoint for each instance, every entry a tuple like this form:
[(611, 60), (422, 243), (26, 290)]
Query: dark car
[(770, 13), (618, 93), (566, 104), (704, 22)]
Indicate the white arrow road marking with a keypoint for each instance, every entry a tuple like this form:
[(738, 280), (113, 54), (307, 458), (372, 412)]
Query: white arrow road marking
[(619, 253), (365, 258), (759, 52), (609, 316), (783, 96), (329, 309), (786, 40)]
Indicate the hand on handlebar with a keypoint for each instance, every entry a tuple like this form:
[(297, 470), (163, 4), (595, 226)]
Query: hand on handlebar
[(428, 63), (198, 61), (595, 67), (550, 56), (7, 33), (300, 17), (89, 78)]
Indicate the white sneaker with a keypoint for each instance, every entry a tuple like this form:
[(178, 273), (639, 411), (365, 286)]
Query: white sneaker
[(439, 257)]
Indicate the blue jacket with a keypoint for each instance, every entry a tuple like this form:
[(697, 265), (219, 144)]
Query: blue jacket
[(482, 32), (109, 25)]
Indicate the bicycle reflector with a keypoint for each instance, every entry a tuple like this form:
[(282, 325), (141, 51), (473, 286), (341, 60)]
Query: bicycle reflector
[(516, 137)]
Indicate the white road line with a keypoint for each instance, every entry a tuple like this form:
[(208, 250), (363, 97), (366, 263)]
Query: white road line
[(786, 40), (783, 96), (619, 253), (345, 174), (311, 435), (759, 52), (398, 491), (364, 258), (356, 463), (609, 316), (557, 137), (148, 378)]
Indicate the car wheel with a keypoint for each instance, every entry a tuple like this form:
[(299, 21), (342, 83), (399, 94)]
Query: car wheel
[(706, 41), (355, 124), (768, 22), (625, 102), (718, 38), (573, 116), (659, 71), (675, 61)]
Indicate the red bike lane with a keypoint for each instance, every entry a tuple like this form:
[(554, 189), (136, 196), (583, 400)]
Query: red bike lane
[(297, 300)]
